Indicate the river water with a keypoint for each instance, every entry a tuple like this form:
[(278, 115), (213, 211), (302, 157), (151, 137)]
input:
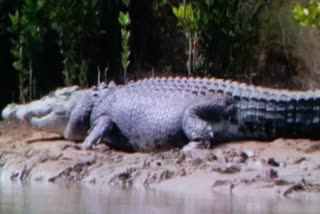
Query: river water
[(52, 198)]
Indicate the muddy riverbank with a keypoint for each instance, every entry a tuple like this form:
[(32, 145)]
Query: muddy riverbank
[(285, 168)]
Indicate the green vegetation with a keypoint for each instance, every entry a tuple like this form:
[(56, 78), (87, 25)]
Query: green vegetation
[(222, 35), (188, 18), (124, 21), (27, 26), (76, 23), (64, 42), (309, 15)]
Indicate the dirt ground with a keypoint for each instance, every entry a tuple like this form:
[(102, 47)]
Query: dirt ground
[(285, 167)]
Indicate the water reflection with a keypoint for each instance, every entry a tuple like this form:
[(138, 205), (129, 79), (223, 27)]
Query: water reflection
[(51, 198)]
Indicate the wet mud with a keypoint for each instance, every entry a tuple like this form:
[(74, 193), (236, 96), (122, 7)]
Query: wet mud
[(283, 168)]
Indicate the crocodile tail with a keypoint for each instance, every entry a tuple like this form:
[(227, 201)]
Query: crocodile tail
[(268, 114)]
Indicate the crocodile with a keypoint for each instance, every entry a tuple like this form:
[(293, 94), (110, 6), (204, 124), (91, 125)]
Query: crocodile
[(161, 113)]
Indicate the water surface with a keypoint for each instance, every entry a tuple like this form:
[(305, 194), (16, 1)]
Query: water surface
[(52, 198)]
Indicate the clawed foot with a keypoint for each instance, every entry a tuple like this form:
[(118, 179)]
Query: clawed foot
[(82, 146), (73, 145), (76, 146), (191, 146)]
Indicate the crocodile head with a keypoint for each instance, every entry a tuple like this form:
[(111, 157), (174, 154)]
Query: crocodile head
[(50, 113)]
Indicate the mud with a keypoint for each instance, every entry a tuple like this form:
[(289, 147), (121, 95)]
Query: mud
[(282, 168)]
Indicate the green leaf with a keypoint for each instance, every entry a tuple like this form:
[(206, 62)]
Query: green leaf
[(18, 65), (124, 19), (209, 2), (188, 18), (14, 19), (309, 15), (126, 2)]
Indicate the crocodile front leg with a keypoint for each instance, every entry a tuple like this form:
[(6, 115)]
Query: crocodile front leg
[(101, 128), (79, 117), (207, 123)]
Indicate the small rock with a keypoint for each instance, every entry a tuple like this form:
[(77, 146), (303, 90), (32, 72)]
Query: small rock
[(281, 182), (248, 153), (299, 160), (227, 168), (269, 174), (197, 161), (231, 169), (292, 188), (14, 175), (244, 156), (272, 162), (183, 172), (220, 183), (273, 173), (38, 179), (312, 148)]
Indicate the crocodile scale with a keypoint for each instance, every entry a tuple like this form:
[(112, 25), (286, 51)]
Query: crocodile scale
[(161, 113)]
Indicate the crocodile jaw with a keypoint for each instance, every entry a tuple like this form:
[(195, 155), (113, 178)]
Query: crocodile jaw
[(51, 113), (53, 122)]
